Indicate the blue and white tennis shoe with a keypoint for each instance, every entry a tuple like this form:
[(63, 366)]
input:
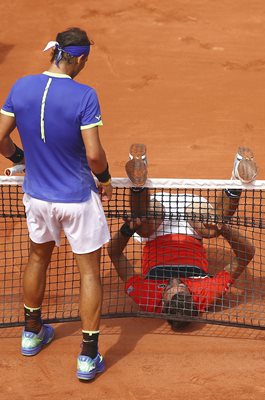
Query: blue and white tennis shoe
[(32, 343), (88, 367)]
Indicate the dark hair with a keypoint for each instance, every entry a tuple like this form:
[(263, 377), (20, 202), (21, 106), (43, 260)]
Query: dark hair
[(71, 37), (180, 305)]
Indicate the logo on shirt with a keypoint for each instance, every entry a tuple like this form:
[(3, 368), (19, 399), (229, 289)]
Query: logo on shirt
[(162, 286), (130, 289), (98, 117)]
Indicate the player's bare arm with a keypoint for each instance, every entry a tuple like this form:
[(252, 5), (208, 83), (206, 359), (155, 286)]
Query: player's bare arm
[(243, 250), (7, 125), (7, 147), (116, 246), (97, 160)]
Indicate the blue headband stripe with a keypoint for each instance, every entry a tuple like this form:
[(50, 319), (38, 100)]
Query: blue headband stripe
[(77, 51), (74, 51)]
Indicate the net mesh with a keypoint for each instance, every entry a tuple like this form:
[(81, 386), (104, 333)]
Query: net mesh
[(242, 305)]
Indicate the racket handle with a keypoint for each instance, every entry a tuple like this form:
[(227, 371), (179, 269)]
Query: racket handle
[(16, 169)]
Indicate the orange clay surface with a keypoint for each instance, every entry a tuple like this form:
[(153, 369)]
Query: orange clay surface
[(187, 78)]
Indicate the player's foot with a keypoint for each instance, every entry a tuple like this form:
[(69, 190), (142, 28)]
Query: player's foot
[(245, 168), (136, 167), (88, 367), (32, 343)]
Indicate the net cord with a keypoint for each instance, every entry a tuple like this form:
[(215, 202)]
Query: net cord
[(157, 183)]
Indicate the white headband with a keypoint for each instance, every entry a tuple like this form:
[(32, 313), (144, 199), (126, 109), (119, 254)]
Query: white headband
[(50, 45)]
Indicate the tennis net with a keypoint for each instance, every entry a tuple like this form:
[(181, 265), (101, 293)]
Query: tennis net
[(242, 305)]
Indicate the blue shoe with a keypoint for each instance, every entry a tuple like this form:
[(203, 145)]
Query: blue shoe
[(32, 342), (88, 367)]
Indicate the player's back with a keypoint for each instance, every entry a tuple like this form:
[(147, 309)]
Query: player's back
[(50, 107), (50, 110)]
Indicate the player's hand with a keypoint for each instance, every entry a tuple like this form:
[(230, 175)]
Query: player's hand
[(215, 229), (134, 223), (105, 191)]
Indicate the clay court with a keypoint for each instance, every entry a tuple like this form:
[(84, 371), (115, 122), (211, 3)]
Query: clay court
[(186, 78)]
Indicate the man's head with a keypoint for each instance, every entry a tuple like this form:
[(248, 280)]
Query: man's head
[(177, 301), (72, 48)]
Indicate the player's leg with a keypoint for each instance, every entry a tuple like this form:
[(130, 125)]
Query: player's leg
[(44, 232), (90, 289), (136, 169), (34, 281), (243, 250), (149, 211), (90, 360), (86, 229), (36, 334), (244, 170)]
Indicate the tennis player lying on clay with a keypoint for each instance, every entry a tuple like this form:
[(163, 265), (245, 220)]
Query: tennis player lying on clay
[(174, 276)]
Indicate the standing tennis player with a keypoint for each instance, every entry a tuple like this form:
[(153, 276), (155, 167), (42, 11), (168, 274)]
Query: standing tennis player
[(57, 119)]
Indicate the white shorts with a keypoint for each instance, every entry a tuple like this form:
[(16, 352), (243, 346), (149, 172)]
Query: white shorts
[(84, 224)]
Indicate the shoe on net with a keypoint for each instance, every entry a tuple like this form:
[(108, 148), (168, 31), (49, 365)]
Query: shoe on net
[(245, 168), (32, 343), (136, 167), (88, 367)]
